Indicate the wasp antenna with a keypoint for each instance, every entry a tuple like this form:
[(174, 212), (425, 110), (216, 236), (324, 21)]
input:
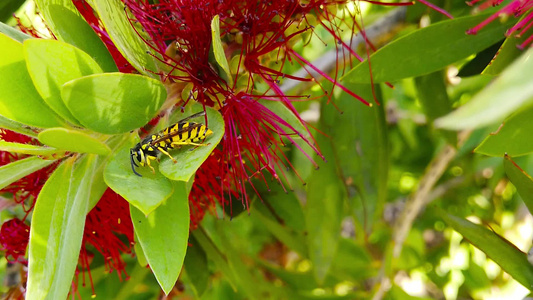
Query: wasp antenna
[(133, 164)]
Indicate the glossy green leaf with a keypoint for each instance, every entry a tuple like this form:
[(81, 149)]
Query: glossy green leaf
[(359, 142), (428, 49), (11, 32), (57, 229), (521, 180), (512, 138), (501, 251), (52, 63), (325, 202), (190, 158), (113, 102), (19, 101), (69, 26), (164, 236), (145, 193), (512, 90), (27, 149), (73, 141), (125, 36), (16, 170), (218, 49), (195, 265)]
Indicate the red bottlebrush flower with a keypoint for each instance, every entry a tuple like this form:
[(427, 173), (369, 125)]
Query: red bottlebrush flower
[(516, 8), (108, 220), (261, 35), (14, 238)]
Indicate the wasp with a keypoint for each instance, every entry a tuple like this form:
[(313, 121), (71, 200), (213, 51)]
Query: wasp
[(180, 134)]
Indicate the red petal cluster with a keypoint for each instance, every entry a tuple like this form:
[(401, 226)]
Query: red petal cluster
[(14, 238), (517, 8), (260, 34), (106, 223)]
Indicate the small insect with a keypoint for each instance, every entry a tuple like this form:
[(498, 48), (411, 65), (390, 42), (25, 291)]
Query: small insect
[(179, 134)]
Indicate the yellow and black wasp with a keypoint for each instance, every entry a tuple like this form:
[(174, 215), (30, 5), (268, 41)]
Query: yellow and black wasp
[(179, 134)]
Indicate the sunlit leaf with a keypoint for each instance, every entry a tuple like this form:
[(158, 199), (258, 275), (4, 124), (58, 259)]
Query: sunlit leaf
[(14, 171), (19, 101), (73, 141), (190, 158), (218, 49), (51, 64), (27, 149), (512, 90), (504, 253), (114, 102), (145, 193), (125, 36), (64, 20), (57, 229), (164, 235)]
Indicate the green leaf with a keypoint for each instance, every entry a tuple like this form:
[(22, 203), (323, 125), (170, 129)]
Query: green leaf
[(64, 20), (480, 62), (125, 36), (139, 252), (145, 193), (164, 236), (508, 52), (427, 50), (57, 229), (16, 170), (283, 216), (52, 63), (190, 158), (512, 90), (501, 251), (114, 103), (214, 254), (323, 218), (19, 101), (27, 149), (11, 32), (8, 8), (512, 138), (360, 153), (432, 95), (6, 123), (521, 180), (195, 265), (218, 49), (73, 141)]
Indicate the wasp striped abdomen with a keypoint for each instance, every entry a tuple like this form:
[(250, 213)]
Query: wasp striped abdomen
[(180, 134)]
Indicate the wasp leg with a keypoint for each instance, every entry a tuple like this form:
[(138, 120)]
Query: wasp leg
[(148, 159), (167, 154)]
